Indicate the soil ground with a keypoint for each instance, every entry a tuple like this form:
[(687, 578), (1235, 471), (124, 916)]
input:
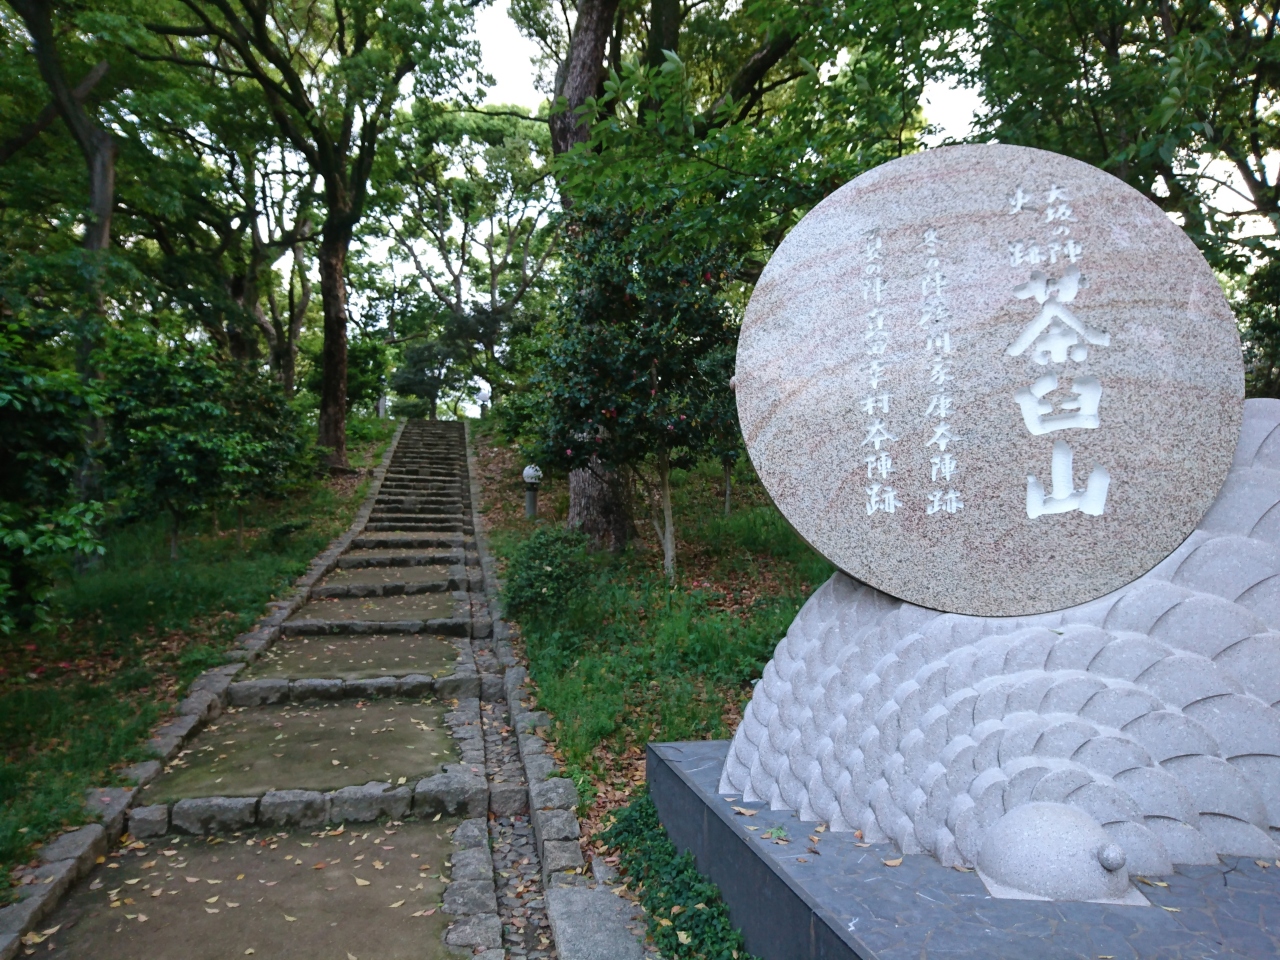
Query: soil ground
[(357, 657), (310, 746), (362, 894)]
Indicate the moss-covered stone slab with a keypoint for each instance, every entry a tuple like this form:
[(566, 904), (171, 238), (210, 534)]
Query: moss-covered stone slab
[(422, 606), (372, 893), (356, 657), (310, 746), (404, 556), (383, 575)]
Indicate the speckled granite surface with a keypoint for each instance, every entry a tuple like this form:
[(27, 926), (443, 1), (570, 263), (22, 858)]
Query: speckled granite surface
[(963, 331), (843, 901)]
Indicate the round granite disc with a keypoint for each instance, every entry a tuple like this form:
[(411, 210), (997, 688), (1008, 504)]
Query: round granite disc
[(990, 380)]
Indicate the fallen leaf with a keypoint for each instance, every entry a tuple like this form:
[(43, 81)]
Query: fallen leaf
[(398, 903), (148, 865), (248, 952), (435, 818), (168, 853), (142, 918), (1170, 909), (699, 906), (676, 909), (239, 876), (820, 828), (361, 882), (896, 862), (1262, 863), (212, 910), (212, 900), (230, 904), (157, 891), (664, 921), (683, 937), (289, 918), (213, 881), (744, 812), (191, 879), (133, 881), (963, 869)]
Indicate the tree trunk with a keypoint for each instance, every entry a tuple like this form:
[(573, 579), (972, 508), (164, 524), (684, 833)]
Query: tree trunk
[(598, 507), (333, 389), (668, 530), (579, 75), (728, 484)]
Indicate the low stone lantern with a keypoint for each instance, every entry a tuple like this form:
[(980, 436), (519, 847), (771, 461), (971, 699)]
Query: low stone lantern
[(532, 477)]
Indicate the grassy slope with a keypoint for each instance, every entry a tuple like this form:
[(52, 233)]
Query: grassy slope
[(623, 659), (139, 628)]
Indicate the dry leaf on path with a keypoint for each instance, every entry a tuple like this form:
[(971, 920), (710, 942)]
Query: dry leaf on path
[(683, 937), (398, 903), (289, 918), (744, 812), (361, 882), (896, 862)]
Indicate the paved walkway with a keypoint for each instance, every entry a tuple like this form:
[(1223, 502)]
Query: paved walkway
[(322, 814)]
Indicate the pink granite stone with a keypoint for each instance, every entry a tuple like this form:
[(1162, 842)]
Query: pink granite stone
[(990, 380)]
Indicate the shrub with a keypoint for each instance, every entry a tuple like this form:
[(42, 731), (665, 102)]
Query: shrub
[(545, 573), (665, 879)]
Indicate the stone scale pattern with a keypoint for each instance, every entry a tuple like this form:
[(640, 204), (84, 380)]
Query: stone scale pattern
[(1153, 709)]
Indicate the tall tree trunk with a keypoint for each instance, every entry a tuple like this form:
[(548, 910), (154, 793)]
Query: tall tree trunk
[(580, 74), (333, 388), (598, 506), (668, 529)]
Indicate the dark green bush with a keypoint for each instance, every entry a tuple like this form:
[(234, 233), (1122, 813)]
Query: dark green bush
[(666, 879), (545, 573)]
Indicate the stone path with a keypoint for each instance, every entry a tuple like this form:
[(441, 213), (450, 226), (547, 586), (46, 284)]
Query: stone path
[(366, 782)]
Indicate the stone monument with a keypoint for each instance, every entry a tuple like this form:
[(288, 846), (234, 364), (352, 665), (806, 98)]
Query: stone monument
[(1001, 391)]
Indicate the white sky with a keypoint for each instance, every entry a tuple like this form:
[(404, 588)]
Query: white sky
[(507, 57)]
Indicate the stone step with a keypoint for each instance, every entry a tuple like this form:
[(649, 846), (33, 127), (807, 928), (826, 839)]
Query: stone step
[(407, 541), (376, 559), (445, 627), (440, 526)]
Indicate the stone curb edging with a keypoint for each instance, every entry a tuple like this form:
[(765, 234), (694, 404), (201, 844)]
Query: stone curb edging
[(586, 920), (460, 788), (72, 855)]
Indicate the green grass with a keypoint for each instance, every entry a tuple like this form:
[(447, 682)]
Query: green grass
[(620, 657), (138, 628)]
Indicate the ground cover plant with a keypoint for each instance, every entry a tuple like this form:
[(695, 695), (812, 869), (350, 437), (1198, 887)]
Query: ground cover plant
[(133, 631), (617, 655), (686, 916)]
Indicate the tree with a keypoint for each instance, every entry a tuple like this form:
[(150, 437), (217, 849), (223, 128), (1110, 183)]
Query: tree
[(331, 80), (467, 199), (1172, 98), (766, 108), (634, 374), (188, 431), (42, 521), (426, 371)]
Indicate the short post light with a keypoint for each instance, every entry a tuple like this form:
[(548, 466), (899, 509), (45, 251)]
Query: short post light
[(532, 477)]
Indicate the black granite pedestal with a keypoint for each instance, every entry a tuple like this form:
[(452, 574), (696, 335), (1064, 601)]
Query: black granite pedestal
[(801, 894)]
